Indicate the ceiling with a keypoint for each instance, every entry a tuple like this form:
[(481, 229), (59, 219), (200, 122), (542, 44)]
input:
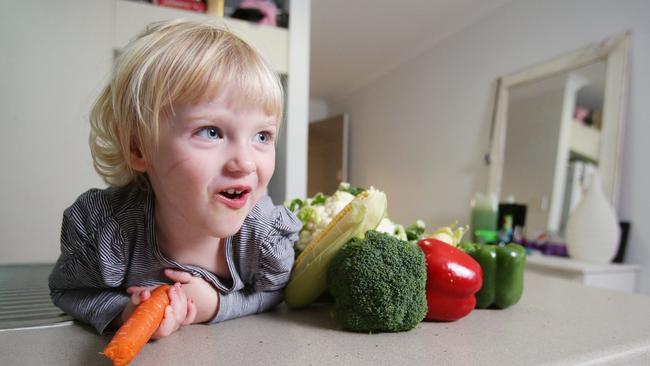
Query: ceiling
[(353, 42)]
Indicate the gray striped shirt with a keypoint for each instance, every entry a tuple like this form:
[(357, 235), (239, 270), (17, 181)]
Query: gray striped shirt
[(108, 244)]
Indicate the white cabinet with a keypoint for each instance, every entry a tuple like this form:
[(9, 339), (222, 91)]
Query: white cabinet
[(614, 276), (272, 42), (585, 140)]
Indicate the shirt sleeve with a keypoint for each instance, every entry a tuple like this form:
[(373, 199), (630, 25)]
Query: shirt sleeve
[(276, 256), (86, 279)]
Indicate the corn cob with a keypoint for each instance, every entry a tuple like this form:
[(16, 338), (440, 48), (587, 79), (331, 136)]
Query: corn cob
[(308, 276)]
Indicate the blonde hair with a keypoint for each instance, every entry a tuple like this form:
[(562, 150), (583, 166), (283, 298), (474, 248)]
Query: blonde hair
[(172, 62)]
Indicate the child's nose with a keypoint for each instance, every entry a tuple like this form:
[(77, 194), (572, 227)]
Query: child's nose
[(240, 165)]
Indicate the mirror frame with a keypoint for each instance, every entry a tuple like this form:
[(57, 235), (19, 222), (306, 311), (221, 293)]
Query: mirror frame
[(614, 51)]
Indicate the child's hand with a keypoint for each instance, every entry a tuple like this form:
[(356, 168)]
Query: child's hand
[(180, 311), (205, 297)]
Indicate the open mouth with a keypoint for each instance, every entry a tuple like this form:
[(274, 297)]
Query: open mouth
[(233, 194), (234, 197)]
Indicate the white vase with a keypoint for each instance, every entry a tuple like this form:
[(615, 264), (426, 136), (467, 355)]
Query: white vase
[(593, 232)]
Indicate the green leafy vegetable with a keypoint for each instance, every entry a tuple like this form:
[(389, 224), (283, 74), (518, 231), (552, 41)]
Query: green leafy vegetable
[(346, 187), (296, 204), (379, 284), (319, 199), (415, 230)]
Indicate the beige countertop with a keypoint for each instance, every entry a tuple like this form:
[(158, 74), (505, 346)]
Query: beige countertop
[(557, 322), (563, 264)]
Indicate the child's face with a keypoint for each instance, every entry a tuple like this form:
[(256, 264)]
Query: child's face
[(212, 165)]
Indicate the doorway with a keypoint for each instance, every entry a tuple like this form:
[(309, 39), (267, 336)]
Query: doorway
[(327, 155)]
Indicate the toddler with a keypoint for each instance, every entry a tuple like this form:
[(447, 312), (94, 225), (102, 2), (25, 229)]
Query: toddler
[(184, 135)]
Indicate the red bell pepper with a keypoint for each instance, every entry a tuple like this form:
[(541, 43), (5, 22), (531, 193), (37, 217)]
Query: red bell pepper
[(453, 277)]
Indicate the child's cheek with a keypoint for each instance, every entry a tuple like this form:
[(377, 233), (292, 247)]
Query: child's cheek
[(188, 174), (179, 167), (265, 178)]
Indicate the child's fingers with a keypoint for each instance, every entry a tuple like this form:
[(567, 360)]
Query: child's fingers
[(191, 313), (138, 297), (135, 299), (178, 276), (178, 302), (167, 326), (136, 289), (144, 295), (181, 294)]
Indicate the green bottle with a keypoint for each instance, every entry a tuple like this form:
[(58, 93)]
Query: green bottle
[(484, 214)]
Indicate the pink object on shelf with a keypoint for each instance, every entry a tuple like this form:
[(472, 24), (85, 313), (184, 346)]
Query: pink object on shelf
[(265, 7), (192, 5), (581, 113)]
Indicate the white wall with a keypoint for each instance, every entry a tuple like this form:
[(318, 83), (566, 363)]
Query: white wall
[(420, 132), (53, 64), (318, 109)]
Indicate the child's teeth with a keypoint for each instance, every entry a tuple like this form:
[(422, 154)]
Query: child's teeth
[(230, 191)]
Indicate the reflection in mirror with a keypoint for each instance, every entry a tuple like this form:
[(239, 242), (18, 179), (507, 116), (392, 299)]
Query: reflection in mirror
[(534, 155), (556, 124)]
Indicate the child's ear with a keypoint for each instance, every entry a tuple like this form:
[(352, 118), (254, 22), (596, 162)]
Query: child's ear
[(138, 162)]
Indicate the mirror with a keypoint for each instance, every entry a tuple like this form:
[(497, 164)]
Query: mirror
[(555, 124)]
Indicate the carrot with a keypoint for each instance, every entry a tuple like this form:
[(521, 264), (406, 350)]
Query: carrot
[(138, 328)]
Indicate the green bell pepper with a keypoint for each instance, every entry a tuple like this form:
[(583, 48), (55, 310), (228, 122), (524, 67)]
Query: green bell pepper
[(503, 273)]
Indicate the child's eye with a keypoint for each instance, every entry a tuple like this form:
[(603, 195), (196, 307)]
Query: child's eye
[(210, 133), (264, 137)]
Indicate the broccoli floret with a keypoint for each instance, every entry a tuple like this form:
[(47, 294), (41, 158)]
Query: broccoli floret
[(379, 284)]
